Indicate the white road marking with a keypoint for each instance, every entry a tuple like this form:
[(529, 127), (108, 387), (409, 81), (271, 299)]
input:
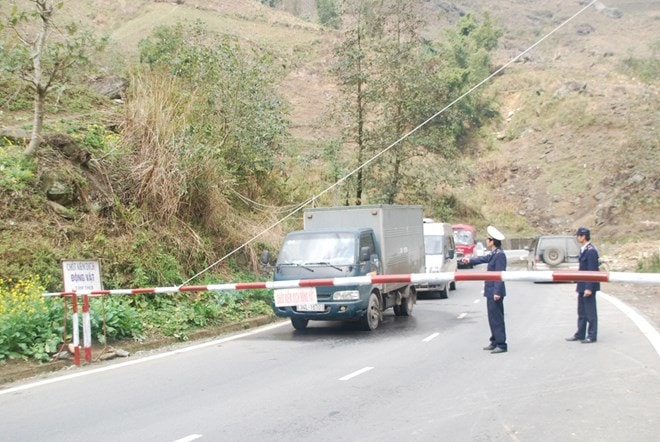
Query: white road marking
[(476, 301), (140, 360), (647, 329), (428, 338), (356, 373), (461, 316), (189, 438)]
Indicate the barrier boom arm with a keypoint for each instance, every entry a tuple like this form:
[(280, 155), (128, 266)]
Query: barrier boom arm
[(414, 278)]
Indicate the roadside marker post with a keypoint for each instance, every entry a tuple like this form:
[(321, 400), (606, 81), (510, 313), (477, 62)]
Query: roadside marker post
[(76, 333)]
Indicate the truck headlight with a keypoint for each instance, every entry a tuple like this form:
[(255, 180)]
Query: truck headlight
[(346, 295)]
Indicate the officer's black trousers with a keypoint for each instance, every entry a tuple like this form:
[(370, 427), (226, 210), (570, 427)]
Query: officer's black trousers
[(587, 325), (496, 322)]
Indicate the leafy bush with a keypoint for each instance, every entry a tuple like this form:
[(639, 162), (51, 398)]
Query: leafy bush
[(179, 314), (114, 318), (30, 325)]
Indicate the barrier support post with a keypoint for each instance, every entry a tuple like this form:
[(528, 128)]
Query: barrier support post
[(87, 329), (76, 335)]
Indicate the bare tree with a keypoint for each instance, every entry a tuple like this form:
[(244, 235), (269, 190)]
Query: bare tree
[(44, 54)]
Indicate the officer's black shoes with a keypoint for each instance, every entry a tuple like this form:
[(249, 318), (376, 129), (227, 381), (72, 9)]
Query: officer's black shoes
[(490, 347), (588, 341), (573, 338), (499, 350)]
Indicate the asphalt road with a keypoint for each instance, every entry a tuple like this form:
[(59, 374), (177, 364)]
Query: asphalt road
[(422, 378)]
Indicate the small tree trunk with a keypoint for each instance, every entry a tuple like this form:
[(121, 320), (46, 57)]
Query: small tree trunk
[(37, 123), (45, 11)]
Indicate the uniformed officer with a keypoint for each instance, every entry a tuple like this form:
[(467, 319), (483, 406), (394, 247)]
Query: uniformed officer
[(494, 291), (587, 324)]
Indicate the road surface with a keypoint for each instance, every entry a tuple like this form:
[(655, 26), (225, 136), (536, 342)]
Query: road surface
[(420, 378)]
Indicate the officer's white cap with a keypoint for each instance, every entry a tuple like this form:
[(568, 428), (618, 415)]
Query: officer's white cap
[(494, 233)]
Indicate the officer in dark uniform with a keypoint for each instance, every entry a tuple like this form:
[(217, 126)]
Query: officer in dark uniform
[(494, 291), (587, 324)]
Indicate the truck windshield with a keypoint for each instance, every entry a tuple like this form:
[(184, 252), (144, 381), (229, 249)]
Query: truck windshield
[(433, 244), (463, 237), (318, 248)]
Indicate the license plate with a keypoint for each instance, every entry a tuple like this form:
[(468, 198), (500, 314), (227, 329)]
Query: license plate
[(311, 308), (295, 296)]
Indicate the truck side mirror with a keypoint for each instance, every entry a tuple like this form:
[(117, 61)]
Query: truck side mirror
[(365, 253), (265, 257)]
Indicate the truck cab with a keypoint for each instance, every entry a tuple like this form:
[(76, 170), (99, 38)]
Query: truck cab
[(465, 237), (327, 253)]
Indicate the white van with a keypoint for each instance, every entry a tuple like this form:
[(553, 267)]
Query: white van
[(440, 255)]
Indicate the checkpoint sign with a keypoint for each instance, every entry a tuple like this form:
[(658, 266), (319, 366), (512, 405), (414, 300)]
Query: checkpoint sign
[(81, 275)]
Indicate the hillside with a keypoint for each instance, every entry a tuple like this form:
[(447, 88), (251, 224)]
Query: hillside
[(577, 139), (576, 142)]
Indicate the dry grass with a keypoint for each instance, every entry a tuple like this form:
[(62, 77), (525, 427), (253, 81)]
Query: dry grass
[(155, 116)]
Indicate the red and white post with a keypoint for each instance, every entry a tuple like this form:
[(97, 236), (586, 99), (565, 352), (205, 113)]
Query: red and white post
[(76, 335), (87, 329)]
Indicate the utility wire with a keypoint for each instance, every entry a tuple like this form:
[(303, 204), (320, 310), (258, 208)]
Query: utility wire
[(385, 150)]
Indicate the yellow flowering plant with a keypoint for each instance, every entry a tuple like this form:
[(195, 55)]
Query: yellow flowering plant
[(30, 325)]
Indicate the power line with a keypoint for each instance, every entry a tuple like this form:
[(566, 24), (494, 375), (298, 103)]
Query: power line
[(402, 138)]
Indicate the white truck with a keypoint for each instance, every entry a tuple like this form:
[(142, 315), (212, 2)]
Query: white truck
[(350, 241)]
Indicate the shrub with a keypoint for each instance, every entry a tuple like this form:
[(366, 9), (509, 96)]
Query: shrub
[(114, 318), (16, 171), (30, 325), (652, 265)]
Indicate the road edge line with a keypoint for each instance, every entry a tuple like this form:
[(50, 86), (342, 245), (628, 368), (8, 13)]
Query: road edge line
[(644, 326)]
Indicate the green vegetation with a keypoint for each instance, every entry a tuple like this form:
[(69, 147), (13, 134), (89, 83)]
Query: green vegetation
[(646, 69), (30, 325), (652, 265)]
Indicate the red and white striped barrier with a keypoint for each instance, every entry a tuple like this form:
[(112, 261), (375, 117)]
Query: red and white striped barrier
[(414, 278)]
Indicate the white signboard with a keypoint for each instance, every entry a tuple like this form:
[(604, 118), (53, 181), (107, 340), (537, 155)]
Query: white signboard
[(81, 275)]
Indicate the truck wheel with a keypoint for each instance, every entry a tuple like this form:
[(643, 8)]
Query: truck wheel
[(406, 307), (370, 320), (299, 323), (443, 293), (452, 285)]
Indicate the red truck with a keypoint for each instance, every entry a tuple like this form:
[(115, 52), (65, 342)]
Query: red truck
[(465, 239)]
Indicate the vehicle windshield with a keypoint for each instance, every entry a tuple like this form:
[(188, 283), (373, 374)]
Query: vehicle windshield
[(433, 244), (463, 237), (318, 248)]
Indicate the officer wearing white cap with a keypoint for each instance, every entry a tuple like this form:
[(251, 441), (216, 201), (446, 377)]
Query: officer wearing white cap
[(587, 325), (494, 291)]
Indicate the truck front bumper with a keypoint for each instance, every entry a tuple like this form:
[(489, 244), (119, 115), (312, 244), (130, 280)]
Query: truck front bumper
[(332, 311)]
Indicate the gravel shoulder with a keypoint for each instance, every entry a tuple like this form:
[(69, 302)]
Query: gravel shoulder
[(645, 299)]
